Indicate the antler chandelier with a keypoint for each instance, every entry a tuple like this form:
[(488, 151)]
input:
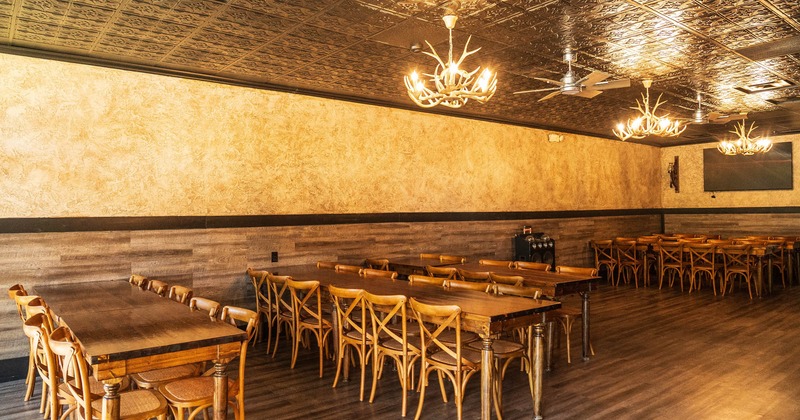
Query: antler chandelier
[(451, 86), (648, 123), (744, 145)]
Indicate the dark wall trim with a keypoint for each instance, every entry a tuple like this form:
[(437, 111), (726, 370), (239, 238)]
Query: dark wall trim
[(94, 224), (734, 210)]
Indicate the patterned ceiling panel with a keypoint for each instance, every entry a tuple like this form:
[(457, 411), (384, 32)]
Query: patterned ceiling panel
[(331, 47)]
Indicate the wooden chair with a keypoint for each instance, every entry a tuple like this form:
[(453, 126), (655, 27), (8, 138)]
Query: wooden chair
[(326, 265), (671, 262), (158, 287), (778, 260), (522, 291), (425, 256), (702, 260), (282, 304), (567, 315), (17, 293), (264, 306), (38, 328), (180, 294), (207, 305), (737, 263), (529, 265), (476, 276), (197, 394), (415, 279), (344, 268), (453, 259), (629, 260), (605, 257), (140, 404), (308, 315), (377, 263), (453, 360), (502, 279), (352, 332), (443, 272), (138, 280), (497, 263), (386, 311), (371, 272), (467, 285)]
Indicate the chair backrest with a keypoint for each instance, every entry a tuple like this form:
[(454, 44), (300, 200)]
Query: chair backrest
[(522, 291), (701, 255), (16, 292), (603, 251), (690, 240), (326, 265), (736, 257), (444, 272), (719, 241), (529, 265), (626, 251), (138, 280), (583, 271), (757, 237), (207, 305), (478, 276), (36, 305), (158, 287), (350, 311), (181, 294), (434, 320), (22, 302), (12, 291), (38, 328), (279, 291), (670, 253), (377, 263), (385, 310), (467, 285), (648, 239), (344, 268), (306, 300), (426, 256), (239, 317), (496, 263), (415, 279), (263, 294), (779, 245), (502, 279), (74, 369), (455, 259), (371, 272)]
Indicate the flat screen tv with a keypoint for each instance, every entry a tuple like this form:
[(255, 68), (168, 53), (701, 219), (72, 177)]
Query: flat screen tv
[(766, 171)]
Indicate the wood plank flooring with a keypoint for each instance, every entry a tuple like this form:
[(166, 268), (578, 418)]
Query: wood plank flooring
[(660, 354)]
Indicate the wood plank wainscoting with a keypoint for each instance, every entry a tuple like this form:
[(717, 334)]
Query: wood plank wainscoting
[(211, 258), (734, 222)]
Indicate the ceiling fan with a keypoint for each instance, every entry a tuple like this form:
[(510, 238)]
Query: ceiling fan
[(701, 117), (589, 86)]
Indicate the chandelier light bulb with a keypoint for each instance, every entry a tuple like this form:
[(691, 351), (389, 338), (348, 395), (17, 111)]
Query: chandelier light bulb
[(745, 145), (648, 123)]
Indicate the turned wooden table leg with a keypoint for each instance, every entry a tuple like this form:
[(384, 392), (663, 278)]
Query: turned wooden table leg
[(487, 358), (220, 391), (537, 362), (550, 336), (110, 410), (585, 326)]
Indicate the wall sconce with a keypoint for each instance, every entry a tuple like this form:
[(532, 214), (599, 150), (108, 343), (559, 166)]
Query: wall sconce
[(672, 171), (555, 138)]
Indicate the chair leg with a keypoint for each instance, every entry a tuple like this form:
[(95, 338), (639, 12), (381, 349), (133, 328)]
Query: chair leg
[(30, 379)]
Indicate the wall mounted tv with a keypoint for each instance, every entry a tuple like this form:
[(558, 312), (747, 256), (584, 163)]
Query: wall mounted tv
[(767, 171)]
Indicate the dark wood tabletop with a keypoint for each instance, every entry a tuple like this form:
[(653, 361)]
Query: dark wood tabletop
[(413, 265), (552, 284)]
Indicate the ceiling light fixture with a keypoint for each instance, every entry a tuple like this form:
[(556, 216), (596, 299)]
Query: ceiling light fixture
[(648, 123), (744, 145), (450, 85)]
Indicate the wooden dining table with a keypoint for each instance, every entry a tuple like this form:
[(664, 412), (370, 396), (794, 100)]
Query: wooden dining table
[(406, 266), (553, 285), (124, 329), (484, 314)]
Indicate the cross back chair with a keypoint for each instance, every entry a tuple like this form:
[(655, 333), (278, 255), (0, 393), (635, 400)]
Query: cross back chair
[(371, 272), (629, 259), (140, 404), (38, 328), (737, 263), (138, 280), (377, 263), (207, 305), (196, 394), (503, 279), (352, 332), (778, 259), (467, 285), (158, 287), (671, 263), (426, 280), (702, 261), (453, 360), (496, 263), (386, 312), (282, 308), (604, 257), (345, 268), (264, 306), (180, 294), (443, 272), (309, 318), (531, 265), (21, 299), (475, 276), (453, 259)]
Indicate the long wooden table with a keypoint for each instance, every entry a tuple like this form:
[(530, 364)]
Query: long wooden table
[(552, 285), (125, 330), (487, 315)]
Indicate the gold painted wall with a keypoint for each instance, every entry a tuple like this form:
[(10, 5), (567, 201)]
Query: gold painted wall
[(77, 140), (691, 193)]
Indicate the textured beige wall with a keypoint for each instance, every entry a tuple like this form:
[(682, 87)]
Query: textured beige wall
[(77, 140), (691, 193)]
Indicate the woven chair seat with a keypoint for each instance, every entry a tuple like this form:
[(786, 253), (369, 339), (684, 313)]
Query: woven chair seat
[(311, 321), (501, 348), (466, 353), (139, 404), (197, 391), (155, 377), (449, 337), (96, 387)]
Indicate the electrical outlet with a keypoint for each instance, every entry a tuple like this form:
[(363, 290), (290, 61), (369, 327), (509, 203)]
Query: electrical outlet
[(274, 256)]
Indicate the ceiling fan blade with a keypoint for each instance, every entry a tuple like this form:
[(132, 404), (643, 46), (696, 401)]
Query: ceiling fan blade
[(612, 84), (594, 78), (536, 90), (588, 93), (549, 81), (546, 97), (719, 118)]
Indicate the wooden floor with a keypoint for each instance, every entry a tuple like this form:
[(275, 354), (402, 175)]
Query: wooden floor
[(660, 354)]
